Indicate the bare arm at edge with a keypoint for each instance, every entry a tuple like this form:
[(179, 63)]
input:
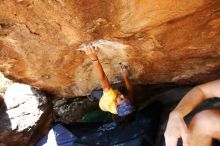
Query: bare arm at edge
[(197, 95), (176, 126)]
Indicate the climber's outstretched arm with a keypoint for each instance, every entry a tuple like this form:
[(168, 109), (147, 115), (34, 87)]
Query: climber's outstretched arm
[(127, 82), (92, 54)]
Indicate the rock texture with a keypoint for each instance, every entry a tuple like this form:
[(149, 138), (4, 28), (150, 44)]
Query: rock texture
[(4, 83), (1, 100), (170, 41), (24, 113), (72, 110)]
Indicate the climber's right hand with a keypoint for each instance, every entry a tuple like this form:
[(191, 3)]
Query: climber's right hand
[(91, 52), (176, 128)]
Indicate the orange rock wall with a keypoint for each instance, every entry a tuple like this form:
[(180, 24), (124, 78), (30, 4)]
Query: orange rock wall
[(170, 41)]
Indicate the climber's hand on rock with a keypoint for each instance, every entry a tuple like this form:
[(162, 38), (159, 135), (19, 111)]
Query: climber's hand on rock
[(91, 52), (124, 71), (176, 128)]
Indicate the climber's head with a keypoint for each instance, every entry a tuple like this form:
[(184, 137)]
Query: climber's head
[(115, 102), (124, 106)]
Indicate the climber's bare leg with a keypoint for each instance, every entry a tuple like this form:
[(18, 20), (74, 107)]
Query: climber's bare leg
[(204, 127)]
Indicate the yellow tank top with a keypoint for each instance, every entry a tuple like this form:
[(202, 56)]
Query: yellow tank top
[(108, 101)]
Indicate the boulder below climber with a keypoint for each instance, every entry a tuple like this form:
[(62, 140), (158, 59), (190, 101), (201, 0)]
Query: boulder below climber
[(24, 115)]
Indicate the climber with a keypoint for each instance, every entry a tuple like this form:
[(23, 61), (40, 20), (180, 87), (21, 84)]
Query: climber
[(204, 126), (112, 100)]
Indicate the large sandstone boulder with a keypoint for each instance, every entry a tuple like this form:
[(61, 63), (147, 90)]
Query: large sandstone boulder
[(25, 116), (162, 41)]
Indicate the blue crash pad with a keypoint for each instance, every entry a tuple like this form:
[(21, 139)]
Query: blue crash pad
[(57, 136)]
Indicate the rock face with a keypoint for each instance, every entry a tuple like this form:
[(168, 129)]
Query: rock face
[(72, 110), (24, 113), (4, 83), (1, 100), (170, 41)]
